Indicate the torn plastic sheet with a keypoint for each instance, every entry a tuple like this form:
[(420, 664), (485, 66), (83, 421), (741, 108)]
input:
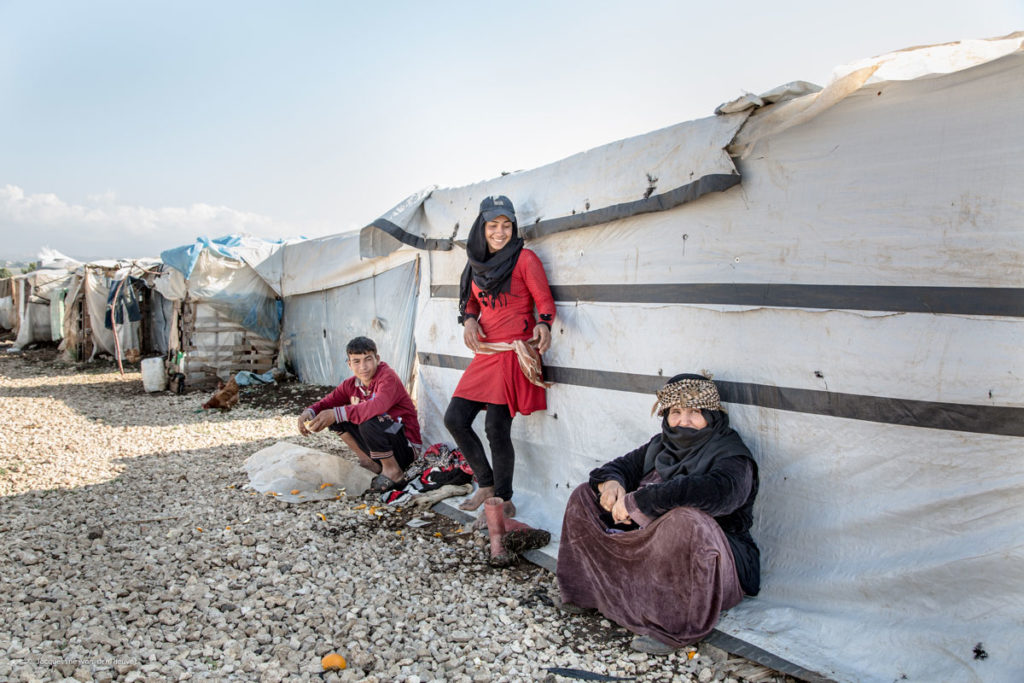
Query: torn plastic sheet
[(296, 474), (246, 378), (236, 291)]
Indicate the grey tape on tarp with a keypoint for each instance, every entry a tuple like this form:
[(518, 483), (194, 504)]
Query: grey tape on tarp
[(1001, 301), (744, 649), (425, 243), (957, 417), (714, 182)]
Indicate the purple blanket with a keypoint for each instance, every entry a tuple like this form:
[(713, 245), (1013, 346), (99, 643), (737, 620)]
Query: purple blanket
[(669, 580)]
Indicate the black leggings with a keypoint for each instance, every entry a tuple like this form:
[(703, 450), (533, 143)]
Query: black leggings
[(497, 425)]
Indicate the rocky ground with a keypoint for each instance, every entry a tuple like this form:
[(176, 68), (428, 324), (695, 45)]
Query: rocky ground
[(133, 551)]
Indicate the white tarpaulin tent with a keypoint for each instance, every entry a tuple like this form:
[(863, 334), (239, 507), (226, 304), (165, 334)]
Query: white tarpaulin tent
[(331, 295), (852, 277)]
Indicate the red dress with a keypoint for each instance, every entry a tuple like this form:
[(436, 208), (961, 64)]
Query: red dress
[(497, 378)]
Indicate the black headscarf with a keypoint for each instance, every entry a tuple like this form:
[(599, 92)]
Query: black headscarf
[(685, 451), (492, 273)]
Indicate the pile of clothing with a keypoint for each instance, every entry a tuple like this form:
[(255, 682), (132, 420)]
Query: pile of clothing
[(440, 465)]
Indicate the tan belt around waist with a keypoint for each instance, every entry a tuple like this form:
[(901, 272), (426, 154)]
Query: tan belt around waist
[(526, 352)]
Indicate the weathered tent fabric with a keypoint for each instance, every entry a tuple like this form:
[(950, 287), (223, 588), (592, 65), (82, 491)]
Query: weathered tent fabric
[(8, 314), (94, 284), (318, 264), (318, 325), (32, 301), (57, 313), (860, 300), (7, 317), (648, 173), (236, 290), (220, 274), (896, 66), (332, 295), (229, 314), (161, 322)]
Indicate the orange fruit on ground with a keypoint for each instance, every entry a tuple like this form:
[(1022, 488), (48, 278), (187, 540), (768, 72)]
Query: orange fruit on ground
[(333, 662)]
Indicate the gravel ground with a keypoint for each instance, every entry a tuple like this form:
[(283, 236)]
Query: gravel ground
[(133, 552)]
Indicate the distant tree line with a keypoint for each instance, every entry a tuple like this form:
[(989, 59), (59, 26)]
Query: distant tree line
[(28, 268)]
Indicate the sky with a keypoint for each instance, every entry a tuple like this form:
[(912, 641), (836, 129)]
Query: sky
[(132, 126)]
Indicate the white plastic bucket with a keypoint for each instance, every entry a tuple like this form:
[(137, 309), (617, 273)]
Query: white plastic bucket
[(154, 376)]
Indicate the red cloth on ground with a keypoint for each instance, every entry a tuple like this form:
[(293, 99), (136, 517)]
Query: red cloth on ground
[(384, 394), (497, 378)]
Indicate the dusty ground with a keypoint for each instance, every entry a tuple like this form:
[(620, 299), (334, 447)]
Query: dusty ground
[(134, 552)]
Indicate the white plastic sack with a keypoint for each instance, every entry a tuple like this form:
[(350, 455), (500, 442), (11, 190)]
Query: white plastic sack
[(6, 313), (286, 467)]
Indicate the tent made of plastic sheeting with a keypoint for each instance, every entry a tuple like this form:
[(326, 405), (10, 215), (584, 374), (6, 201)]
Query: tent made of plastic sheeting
[(331, 296), (227, 318), (221, 273), (32, 296), (8, 314), (854, 285), (141, 315)]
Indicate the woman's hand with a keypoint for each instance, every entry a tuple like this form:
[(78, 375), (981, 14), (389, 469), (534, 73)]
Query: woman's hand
[(542, 335), (472, 334), (611, 493), (619, 513)]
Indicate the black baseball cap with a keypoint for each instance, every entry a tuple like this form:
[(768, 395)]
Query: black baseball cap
[(494, 206)]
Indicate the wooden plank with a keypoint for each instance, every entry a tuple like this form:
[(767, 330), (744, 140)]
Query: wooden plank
[(194, 362), (221, 358), (235, 348), (239, 347), (228, 370), (215, 321), (219, 330)]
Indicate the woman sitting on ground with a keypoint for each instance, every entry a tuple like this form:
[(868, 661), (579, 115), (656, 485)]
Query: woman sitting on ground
[(659, 539)]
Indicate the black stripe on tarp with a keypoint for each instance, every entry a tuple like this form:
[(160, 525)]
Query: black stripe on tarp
[(396, 231), (1002, 301), (742, 648), (957, 417), (713, 182)]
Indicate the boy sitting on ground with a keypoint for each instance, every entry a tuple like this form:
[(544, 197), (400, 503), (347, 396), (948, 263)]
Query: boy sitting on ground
[(373, 413)]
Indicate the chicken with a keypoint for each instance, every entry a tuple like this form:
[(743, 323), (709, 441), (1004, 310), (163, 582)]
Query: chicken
[(226, 396)]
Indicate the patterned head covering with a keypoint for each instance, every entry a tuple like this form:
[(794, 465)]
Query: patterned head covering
[(691, 391)]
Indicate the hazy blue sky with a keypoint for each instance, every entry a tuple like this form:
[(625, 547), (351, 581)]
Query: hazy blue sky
[(131, 126)]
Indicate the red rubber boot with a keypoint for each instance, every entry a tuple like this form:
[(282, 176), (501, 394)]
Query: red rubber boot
[(495, 513)]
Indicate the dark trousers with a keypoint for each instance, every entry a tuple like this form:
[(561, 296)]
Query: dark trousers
[(379, 434), (497, 425)]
